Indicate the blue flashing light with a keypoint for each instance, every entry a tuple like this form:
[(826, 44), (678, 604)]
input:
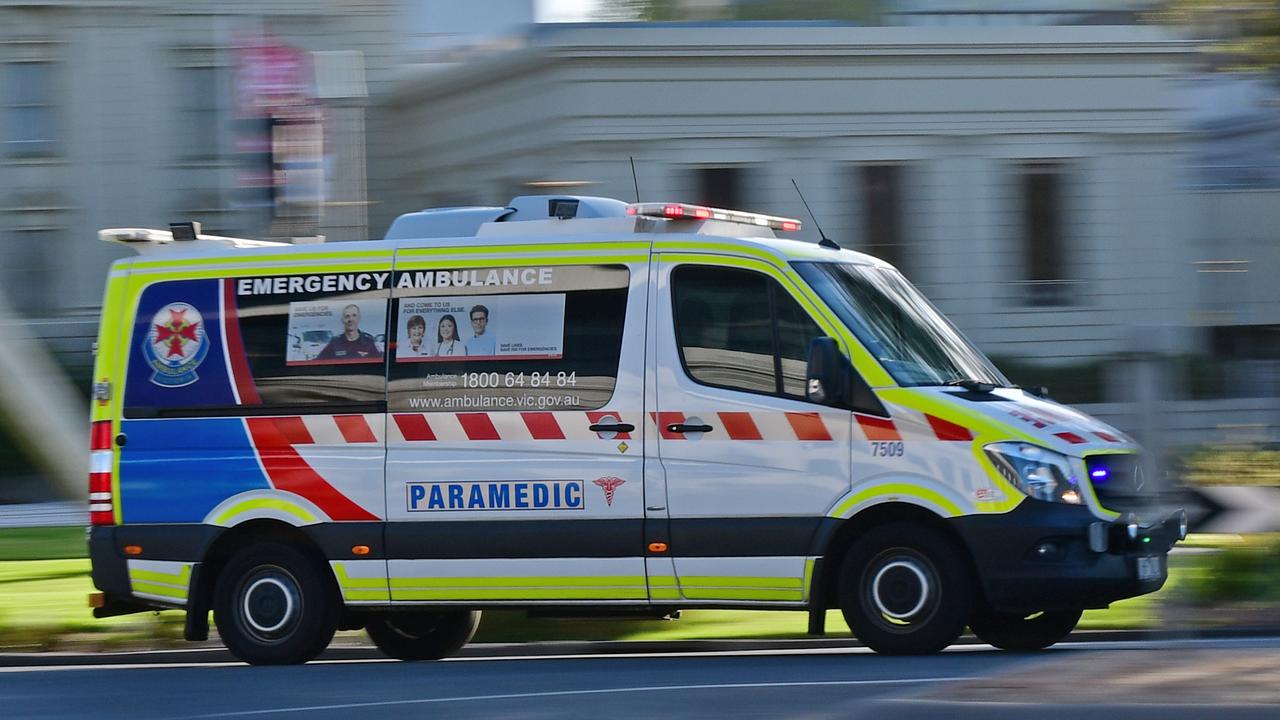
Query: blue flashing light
[(1099, 473)]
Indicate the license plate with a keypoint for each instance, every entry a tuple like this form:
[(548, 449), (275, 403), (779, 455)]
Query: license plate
[(1150, 568)]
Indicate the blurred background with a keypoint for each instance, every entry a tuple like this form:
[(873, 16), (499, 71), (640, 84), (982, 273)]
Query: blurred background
[(1090, 189)]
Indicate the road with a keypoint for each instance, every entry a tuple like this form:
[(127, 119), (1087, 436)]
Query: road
[(832, 682)]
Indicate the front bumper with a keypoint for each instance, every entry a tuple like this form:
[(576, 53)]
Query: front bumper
[(1041, 556)]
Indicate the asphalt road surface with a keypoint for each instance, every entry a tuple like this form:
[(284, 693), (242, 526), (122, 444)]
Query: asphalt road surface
[(832, 682)]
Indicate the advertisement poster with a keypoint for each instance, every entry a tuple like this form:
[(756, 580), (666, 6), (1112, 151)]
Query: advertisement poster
[(488, 327), (337, 332)]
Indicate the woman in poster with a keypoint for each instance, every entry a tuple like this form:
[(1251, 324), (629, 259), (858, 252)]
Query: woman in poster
[(447, 342), (418, 345)]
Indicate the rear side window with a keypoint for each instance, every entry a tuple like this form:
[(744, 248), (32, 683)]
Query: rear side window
[(507, 339), (266, 345), (740, 330)]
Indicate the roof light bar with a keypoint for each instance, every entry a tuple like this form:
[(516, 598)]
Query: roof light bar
[(685, 211)]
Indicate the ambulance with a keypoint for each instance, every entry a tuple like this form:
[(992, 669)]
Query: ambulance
[(574, 404)]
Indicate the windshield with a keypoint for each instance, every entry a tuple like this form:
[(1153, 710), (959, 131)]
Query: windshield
[(897, 324)]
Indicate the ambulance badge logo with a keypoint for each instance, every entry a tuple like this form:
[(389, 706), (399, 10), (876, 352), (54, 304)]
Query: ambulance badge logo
[(610, 485), (175, 345)]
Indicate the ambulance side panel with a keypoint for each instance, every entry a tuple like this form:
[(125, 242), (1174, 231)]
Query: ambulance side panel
[(230, 418), (515, 462)]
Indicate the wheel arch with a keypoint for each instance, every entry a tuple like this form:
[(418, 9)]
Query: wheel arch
[(827, 574), (226, 545)]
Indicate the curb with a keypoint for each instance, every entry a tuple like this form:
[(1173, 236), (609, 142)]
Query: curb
[(218, 654)]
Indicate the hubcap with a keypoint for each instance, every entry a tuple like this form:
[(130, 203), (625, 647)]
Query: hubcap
[(900, 589), (270, 604)]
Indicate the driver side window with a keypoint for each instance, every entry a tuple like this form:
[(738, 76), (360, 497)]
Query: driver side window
[(740, 330)]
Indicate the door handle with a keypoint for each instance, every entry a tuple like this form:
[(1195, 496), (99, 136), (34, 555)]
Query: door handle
[(611, 427), (683, 428)]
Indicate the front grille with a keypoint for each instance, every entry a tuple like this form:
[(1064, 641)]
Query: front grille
[(1123, 483)]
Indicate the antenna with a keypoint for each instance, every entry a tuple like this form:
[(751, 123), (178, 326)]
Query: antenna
[(825, 242), (633, 177)]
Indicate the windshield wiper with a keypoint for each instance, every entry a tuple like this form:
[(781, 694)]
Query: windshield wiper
[(972, 385)]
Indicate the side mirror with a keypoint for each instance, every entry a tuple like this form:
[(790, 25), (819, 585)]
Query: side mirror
[(827, 378), (831, 380)]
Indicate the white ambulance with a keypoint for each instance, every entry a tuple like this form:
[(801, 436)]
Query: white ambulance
[(576, 404)]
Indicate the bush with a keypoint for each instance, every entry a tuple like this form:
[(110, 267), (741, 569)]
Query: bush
[(1247, 573)]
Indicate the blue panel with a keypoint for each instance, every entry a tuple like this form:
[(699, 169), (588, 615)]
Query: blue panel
[(176, 355), (178, 470)]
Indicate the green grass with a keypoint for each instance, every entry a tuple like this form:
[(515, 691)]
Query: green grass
[(43, 543)]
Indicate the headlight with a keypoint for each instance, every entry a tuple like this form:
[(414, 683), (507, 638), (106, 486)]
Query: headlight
[(1041, 474)]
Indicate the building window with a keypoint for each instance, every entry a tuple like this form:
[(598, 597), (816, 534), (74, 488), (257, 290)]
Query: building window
[(882, 213), (198, 113), (28, 94), (1041, 185), (719, 187), (26, 274)]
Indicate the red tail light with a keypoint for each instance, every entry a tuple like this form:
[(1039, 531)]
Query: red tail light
[(101, 459)]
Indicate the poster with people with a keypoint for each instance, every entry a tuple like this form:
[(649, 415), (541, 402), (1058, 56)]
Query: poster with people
[(336, 332), (481, 327)]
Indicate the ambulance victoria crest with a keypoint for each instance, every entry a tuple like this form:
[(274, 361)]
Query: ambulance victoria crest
[(576, 404)]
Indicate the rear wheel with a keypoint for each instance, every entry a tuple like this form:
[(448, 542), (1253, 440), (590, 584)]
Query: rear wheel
[(423, 636), (904, 590), (1022, 633), (273, 607)]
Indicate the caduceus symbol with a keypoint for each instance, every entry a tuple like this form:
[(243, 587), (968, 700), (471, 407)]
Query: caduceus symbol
[(609, 484)]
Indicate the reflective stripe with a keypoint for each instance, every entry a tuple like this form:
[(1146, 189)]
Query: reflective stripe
[(522, 594), (808, 577), (264, 504), (543, 249), (624, 587), (776, 583), (100, 461), (551, 261), (147, 588), (361, 589), (703, 593), (515, 582), (897, 491)]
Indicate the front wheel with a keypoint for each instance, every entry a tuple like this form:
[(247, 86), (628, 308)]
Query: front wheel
[(1020, 633), (423, 636), (273, 607), (904, 590)]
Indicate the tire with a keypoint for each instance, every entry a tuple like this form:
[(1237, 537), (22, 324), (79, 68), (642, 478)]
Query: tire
[(273, 606), (905, 590), (423, 636), (1019, 633)]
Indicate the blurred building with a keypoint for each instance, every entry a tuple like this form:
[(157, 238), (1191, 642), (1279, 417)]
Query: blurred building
[(1033, 179), (249, 116)]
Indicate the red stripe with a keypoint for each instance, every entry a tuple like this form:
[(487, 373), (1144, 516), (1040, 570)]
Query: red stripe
[(240, 374), (414, 428), (355, 429), (663, 419), (294, 431), (1107, 437), (595, 417), (1072, 438), (878, 428), (289, 472), (740, 426), (808, 426), (947, 430), (478, 426), (542, 425)]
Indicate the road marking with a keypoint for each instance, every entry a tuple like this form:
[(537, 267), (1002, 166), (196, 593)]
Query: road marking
[(565, 693)]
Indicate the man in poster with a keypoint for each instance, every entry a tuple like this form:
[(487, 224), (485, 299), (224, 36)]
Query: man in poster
[(482, 342), (353, 343)]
